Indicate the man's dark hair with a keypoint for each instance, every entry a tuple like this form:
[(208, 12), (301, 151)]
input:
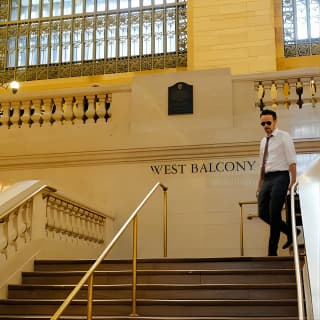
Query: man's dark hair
[(268, 112)]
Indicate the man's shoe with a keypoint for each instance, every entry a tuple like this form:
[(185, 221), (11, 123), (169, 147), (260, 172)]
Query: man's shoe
[(289, 242), (272, 254)]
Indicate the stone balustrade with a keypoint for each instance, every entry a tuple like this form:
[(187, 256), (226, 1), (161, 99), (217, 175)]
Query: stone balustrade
[(62, 220), (288, 92), (71, 222), (62, 110)]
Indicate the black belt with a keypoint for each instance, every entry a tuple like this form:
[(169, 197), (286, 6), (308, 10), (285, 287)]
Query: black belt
[(276, 173)]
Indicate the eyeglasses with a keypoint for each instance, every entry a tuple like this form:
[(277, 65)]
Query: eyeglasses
[(263, 123)]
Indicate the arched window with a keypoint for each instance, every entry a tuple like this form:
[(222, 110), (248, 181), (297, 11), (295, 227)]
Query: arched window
[(301, 27), (43, 39)]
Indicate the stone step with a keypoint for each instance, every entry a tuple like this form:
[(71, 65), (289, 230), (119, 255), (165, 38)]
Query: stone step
[(35, 317), (231, 276), (167, 289), (160, 291), (162, 308), (170, 264)]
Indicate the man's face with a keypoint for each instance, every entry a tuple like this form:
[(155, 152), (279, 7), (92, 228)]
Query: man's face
[(269, 124)]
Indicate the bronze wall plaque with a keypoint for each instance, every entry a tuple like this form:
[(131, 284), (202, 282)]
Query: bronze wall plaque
[(180, 98)]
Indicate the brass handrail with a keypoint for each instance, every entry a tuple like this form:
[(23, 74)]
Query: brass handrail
[(88, 277), (241, 203), (296, 254)]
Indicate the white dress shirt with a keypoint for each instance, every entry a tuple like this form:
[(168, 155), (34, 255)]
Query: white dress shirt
[(281, 151)]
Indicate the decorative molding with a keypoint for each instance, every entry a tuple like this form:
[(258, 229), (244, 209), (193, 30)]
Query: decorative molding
[(142, 155)]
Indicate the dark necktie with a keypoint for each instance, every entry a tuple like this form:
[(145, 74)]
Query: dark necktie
[(264, 159)]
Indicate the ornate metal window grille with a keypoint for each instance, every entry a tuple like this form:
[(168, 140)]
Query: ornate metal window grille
[(45, 39), (301, 27)]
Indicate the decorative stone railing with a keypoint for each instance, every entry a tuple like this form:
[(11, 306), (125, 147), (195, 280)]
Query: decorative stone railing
[(56, 110), (72, 222), (287, 92), (47, 215)]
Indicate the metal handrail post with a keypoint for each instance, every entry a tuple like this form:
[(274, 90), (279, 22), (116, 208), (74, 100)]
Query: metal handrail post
[(241, 223), (90, 297), (134, 267), (241, 230), (165, 223), (296, 254)]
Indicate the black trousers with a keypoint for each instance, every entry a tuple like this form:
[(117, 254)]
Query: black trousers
[(271, 199)]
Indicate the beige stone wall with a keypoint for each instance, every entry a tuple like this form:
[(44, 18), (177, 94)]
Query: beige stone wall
[(112, 166), (109, 165), (239, 34)]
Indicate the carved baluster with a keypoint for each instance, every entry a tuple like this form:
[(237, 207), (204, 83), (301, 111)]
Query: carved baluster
[(67, 110), (46, 111), (102, 229), (26, 114), (76, 223), (78, 110), (5, 118), (261, 95), (299, 91), (94, 228), (28, 219), (15, 116), (91, 227), (286, 93), (50, 217), (108, 104), (101, 107), (12, 231), (91, 112), (57, 220), (313, 91), (21, 223), (82, 225), (98, 234), (58, 114), (36, 112), (61, 221), (274, 94), (68, 221), (86, 227), (87, 232), (97, 229), (4, 241)]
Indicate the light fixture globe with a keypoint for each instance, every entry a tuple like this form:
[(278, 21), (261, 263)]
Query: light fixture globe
[(14, 86)]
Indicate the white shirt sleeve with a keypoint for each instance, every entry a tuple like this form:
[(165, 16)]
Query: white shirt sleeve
[(289, 149)]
